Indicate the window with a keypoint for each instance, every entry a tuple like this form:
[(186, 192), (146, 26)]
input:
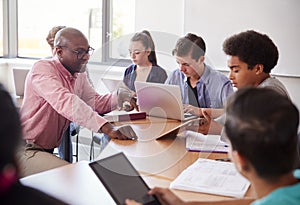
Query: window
[(123, 27), (108, 25), (1, 28), (36, 18)]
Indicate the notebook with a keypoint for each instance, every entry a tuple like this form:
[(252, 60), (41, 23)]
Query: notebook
[(198, 142), (161, 100), (122, 180), (212, 177)]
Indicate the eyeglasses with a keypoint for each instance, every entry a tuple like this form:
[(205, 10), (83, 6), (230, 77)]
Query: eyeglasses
[(81, 52)]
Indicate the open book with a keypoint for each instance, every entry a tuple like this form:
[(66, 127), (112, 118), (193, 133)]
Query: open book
[(204, 143), (213, 177)]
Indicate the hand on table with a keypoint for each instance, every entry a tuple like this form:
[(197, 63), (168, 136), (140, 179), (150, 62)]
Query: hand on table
[(124, 132), (165, 196), (192, 109), (207, 125)]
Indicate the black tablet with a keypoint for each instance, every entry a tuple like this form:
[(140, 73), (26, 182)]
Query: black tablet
[(122, 180)]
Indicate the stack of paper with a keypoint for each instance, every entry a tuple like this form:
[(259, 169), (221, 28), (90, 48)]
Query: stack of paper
[(204, 143), (213, 177)]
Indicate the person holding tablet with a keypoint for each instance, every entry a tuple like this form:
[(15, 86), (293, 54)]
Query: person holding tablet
[(256, 134)]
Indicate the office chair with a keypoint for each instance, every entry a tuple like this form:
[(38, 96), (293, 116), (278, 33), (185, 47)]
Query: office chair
[(67, 145), (101, 139), (19, 75)]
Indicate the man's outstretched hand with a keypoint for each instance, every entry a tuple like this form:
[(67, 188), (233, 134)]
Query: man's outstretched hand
[(124, 132)]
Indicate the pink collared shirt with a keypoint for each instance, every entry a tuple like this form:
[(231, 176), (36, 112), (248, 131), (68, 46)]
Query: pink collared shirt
[(53, 98)]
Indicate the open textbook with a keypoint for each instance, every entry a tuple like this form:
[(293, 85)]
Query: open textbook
[(204, 143), (213, 177)]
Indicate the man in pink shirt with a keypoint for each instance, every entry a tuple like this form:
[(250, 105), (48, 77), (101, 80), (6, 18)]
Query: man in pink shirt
[(58, 92)]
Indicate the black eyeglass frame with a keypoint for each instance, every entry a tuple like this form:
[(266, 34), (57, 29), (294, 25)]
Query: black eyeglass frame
[(80, 54)]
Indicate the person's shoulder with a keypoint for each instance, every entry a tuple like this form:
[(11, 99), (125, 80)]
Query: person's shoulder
[(44, 61), (274, 84), (283, 195), (130, 68), (215, 75), (271, 81), (44, 65), (159, 68), (177, 72), (175, 77)]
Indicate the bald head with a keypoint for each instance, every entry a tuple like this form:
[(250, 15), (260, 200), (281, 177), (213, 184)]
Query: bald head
[(72, 49), (67, 35)]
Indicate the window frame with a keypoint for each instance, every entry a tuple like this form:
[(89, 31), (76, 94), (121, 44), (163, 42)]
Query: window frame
[(10, 37), (10, 34), (106, 35)]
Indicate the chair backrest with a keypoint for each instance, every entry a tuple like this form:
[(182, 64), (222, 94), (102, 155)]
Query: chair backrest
[(19, 80)]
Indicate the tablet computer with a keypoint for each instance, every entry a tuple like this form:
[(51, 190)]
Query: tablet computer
[(122, 180)]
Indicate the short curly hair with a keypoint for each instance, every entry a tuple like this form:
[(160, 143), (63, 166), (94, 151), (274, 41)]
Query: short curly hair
[(252, 48)]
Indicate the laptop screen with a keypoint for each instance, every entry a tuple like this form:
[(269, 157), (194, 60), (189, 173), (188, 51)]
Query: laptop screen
[(122, 180), (161, 100)]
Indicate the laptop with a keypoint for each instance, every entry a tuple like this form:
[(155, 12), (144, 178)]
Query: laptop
[(19, 80), (122, 180), (113, 84), (161, 100)]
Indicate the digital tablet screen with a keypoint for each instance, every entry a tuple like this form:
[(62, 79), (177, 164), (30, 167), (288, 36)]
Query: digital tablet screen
[(122, 180)]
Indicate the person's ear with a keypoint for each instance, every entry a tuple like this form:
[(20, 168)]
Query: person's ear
[(58, 51), (148, 51), (240, 161), (201, 59), (259, 68)]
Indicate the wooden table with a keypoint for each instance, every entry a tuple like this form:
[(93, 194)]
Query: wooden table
[(158, 161), (161, 161)]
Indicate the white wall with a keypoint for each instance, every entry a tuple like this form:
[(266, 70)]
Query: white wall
[(215, 20), (158, 15), (165, 21)]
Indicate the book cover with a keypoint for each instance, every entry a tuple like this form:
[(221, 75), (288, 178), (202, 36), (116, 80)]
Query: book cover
[(118, 116)]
